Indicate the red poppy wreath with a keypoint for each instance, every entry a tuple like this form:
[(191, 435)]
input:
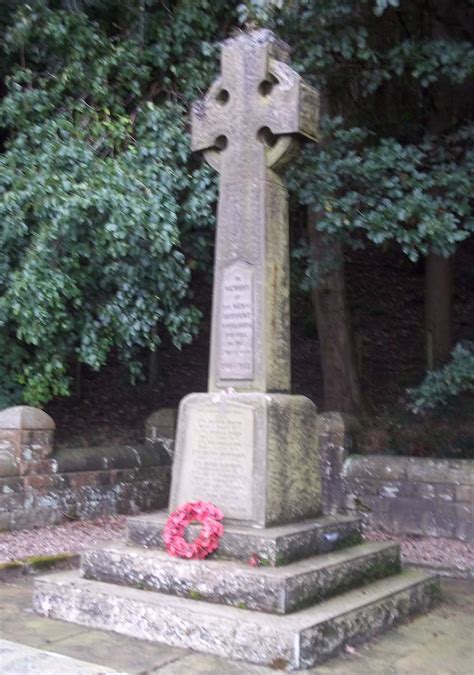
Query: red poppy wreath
[(207, 541)]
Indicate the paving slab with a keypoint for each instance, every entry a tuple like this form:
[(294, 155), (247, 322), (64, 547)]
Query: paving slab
[(125, 655), (439, 643), (17, 659)]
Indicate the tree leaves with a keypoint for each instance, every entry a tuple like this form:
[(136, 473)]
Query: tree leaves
[(99, 195)]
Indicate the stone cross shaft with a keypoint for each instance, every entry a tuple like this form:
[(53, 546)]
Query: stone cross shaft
[(246, 125)]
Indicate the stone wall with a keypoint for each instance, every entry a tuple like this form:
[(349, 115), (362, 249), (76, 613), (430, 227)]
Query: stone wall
[(410, 495), (40, 486), (402, 495)]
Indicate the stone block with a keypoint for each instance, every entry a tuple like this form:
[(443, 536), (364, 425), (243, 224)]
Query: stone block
[(445, 492), (9, 462), (446, 517), (5, 521), (413, 516), (253, 455), (37, 466), (26, 418), (425, 470), (362, 488), (37, 517), (278, 590), (464, 528), (37, 444), (335, 439), (465, 493), (300, 640), (375, 468), (275, 545), (11, 485), (425, 490)]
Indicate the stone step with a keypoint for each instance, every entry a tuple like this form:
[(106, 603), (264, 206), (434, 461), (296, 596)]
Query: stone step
[(299, 640), (278, 590), (273, 545)]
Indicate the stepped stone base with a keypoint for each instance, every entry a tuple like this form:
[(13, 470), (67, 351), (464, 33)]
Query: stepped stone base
[(277, 590), (299, 640), (273, 545), (317, 589)]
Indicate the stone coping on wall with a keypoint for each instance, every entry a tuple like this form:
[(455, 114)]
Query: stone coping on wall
[(418, 469), (104, 457)]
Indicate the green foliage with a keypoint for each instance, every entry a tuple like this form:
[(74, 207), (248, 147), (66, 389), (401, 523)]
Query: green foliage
[(440, 385), (414, 194), (377, 171), (103, 210)]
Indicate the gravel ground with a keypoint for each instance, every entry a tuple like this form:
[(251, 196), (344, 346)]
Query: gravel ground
[(436, 551), (75, 536), (70, 537)]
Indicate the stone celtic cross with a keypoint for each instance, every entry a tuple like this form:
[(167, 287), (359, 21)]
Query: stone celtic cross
[(247, 125)]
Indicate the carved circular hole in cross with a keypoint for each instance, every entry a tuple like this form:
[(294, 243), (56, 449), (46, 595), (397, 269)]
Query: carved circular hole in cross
[(220, 143), (265, 87), (267, 137), (223, 96)]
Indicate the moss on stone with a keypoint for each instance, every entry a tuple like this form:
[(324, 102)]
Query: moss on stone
[(47, 561), (195, 595), (10, 565), (352, 539)]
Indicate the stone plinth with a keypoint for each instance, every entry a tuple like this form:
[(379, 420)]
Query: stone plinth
[(277, 590), (26, 440), (274, 546), (290, 642), (253, 454)]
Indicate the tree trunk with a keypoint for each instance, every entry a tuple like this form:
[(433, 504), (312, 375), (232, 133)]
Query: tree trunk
[(340, 377), (153, 368), (439, 270), (438, 295)]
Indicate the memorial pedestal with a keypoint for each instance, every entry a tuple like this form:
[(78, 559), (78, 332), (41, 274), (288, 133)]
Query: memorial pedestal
[(254, 455)]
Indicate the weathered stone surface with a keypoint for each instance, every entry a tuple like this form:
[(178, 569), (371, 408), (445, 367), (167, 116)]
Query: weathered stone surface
[(380, 467), (26, 418), (70, 460), (37, 500), (18, 658), (334, 441), (9, 462), (275, 545), (254, 455), (297, 640), (277, 590), (426, 470), (160, 432), (26, 440), (427, 497), (245, 125)]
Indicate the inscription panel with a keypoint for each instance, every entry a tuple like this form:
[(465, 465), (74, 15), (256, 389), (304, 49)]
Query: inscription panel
[(236, 329), (218, 458)]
